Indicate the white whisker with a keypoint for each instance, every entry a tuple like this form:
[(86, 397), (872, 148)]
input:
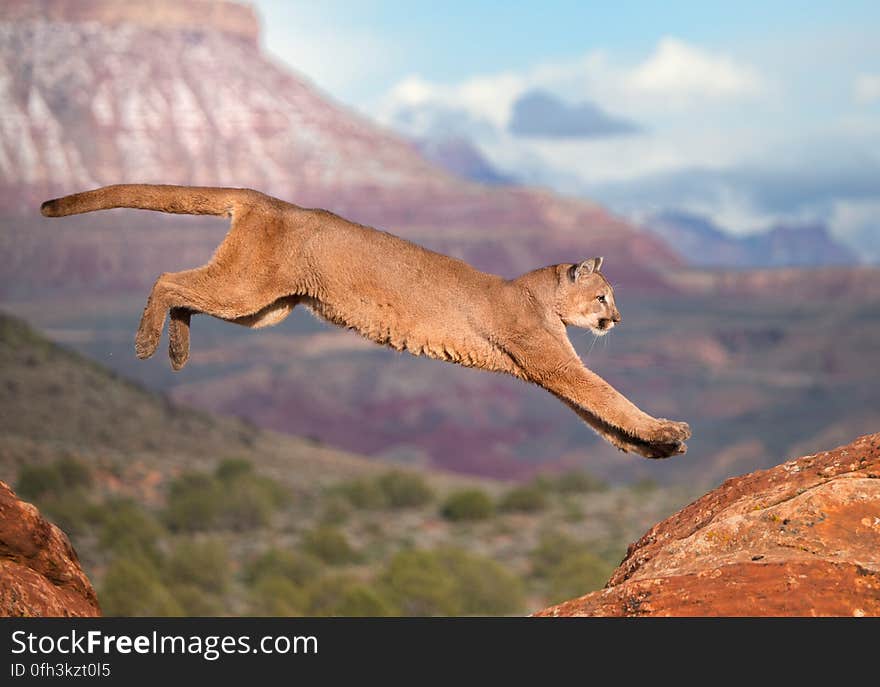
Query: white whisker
[(595, 339)]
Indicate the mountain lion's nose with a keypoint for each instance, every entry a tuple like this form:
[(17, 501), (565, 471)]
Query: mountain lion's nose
[(616, 317)]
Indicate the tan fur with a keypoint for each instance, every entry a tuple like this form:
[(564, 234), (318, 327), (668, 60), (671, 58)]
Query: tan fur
[(277, 255)]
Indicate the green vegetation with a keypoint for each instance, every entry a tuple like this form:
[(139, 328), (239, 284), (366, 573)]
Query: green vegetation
[(330, 545), (294, 566), (343, 595), (233, 498), (132, 586), (468, 504), (275, 595), (577, 482), (336, 511), (129, 530), (175, 557), (420, 585), (404, 489), (578, 574), (62, 489), (451, 581), (568, 567), (529, 498), (553, 548), (394, 489), (73, 473), (61, 476), (200, 564), (484, 586)]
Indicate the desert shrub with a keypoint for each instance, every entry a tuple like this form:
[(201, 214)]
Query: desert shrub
[(329, 544), (364, 494), (345, 596), (578, 482), (194, 503), (467, 504), (132, 587), (130, 530), (644, 486), (72, 511), (361, 601), (299, 568), (576, 575), (404, 489), (74, 473), (57, 478), (246, 505), (195, 601), (528, 498), (483, 586), (202, 564), (336, 511), (572, 511), (233, 468), (552, 548), (419, 584), (234, 498), (276, 595), (38, 480)]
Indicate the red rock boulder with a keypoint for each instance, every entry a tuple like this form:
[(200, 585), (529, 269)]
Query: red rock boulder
[(800, 539), (40, 574)]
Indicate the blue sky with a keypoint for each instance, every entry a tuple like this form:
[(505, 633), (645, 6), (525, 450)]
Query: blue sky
[(727, 100), (455, 39)]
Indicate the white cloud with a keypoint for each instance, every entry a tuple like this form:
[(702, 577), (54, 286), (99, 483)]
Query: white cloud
[(340, 57), (674, 76), (676, 69), (857, 222), (483, 97), (866, 89), (677, 93)]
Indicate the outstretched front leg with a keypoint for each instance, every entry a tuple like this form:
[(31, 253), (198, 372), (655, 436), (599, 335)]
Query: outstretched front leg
[(558, 369), (626, 442)]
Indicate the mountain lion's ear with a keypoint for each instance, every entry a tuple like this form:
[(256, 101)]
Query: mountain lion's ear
[(586, 267)]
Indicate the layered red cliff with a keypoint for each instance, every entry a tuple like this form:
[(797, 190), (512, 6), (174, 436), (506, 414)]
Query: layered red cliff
[(40, 574), (800, 539)]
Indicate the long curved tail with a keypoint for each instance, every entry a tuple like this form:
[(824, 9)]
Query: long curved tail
[(182, 200)]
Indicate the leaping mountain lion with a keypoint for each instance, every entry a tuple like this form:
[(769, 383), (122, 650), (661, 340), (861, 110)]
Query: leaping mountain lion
[(277, 255)]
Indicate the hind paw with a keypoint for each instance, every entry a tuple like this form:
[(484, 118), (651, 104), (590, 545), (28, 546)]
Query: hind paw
[(178, 338), (145, 344)]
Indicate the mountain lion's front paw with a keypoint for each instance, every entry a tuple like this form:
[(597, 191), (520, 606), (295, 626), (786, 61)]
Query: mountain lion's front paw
[(654, 451), (669, 432), (665, 438), (646, 449)]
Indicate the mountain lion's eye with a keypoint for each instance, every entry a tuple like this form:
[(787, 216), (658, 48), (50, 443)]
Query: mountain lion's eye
[(601, 299)]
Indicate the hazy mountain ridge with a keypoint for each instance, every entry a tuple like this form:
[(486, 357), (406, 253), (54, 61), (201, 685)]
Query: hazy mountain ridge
[(704, 244)]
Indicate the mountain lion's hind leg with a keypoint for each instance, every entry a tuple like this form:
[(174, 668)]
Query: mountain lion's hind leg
[(200, 290), (178, 337)]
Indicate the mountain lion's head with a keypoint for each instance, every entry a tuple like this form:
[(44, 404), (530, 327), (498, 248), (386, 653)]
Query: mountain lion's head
[(586, 299)]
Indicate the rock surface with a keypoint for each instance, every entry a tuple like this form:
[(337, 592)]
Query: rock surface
[(40, 573), (800, 539)]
